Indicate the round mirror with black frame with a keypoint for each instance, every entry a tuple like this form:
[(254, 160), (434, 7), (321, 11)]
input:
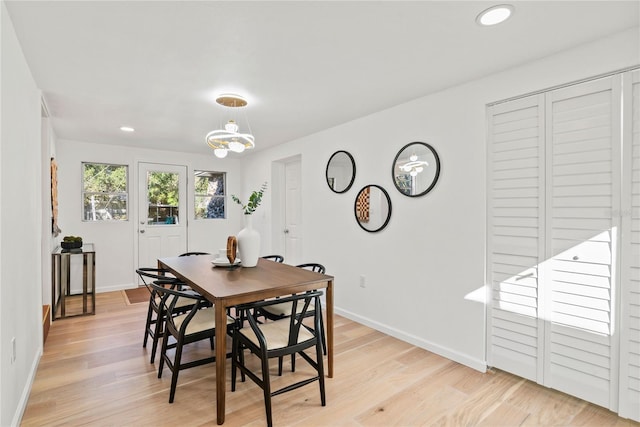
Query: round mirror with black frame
[(372, 208), (341, 171), (415, 169)]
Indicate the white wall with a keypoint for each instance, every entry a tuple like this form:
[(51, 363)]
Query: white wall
[(420, 270), (116, 241), (20, 226)]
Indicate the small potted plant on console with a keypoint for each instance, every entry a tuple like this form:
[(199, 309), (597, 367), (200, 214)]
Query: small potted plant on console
[(71, 243)]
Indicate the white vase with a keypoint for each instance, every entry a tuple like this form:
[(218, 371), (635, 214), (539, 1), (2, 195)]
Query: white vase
[(248, 244)]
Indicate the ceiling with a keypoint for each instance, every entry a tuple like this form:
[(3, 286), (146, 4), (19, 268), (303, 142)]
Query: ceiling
[(304, 66)]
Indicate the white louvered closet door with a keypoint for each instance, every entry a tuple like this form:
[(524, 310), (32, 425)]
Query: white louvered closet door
[(583, 198), (515, 224), (563, 243), (630, 266)]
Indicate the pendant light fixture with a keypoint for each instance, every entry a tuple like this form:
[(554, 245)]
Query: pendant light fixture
[(413, 166), (230, 138)]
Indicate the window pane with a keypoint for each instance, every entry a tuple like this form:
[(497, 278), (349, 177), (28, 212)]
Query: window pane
[(209, 194), (103, 178), (163, 197), (104, 192), (100, 207)]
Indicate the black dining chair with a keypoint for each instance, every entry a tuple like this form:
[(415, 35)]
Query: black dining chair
[(196, 324), (279, 338), (154, 325), (284, 309)]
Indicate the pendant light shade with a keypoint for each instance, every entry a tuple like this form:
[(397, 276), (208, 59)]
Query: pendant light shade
[(230, 138)]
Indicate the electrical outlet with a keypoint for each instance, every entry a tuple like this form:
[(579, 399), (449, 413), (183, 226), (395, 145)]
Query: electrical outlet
[(363, 281), (13, 349)]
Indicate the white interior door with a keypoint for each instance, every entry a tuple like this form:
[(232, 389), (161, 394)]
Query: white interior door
[(583, 193), (630, 266), (515, 239), (293, 213), (553, 222), (162, 213)]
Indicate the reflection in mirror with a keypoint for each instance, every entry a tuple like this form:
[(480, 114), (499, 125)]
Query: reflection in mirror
[(341, 171), (372, 208), (416, 169)]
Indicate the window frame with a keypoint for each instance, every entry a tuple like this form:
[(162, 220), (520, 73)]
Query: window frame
[(84, 193), (197, 173)]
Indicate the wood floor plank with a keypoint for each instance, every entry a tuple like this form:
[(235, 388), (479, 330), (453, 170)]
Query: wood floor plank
[(94, 372)]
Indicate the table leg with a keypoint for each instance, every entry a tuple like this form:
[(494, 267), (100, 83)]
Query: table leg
[(84, 283), (55, 270), (93, 283), (221, 357), (330, 328), (65, 267)]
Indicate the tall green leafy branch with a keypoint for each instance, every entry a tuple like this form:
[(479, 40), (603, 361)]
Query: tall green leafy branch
[(254, 200)]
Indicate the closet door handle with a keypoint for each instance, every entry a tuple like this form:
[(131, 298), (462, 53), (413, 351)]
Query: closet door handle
[(575, 258)]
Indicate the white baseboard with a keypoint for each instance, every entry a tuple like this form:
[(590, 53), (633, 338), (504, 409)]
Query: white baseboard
[(26, 391), (112, 288), (464, 359)]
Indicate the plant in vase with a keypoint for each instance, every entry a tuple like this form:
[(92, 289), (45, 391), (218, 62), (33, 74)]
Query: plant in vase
[(71, 242), (248, 238)]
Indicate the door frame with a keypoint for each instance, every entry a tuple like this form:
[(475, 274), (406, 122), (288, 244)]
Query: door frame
[(135, 217), (279, 203)]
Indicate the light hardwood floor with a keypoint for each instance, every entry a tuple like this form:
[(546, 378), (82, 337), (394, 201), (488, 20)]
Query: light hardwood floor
[(95, 372)]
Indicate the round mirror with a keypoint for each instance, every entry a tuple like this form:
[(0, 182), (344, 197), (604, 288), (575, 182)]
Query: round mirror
[(341, 172), (372, 208), (415, 169)]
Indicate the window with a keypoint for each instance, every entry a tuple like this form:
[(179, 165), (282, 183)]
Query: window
[(163, 197), (104, 192), (209, 194)]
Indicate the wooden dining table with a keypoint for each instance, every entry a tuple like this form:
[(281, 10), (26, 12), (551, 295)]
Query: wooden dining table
[(229, 286)]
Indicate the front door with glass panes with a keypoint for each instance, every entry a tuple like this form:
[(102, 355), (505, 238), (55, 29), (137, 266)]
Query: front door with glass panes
[(162, 213)]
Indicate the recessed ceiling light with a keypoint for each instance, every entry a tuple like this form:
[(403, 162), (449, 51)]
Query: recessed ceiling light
[(127, 129), (495, 15)]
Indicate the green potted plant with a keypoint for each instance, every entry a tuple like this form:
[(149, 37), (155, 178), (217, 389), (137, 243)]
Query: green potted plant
[(254, 200), (71, 242)]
